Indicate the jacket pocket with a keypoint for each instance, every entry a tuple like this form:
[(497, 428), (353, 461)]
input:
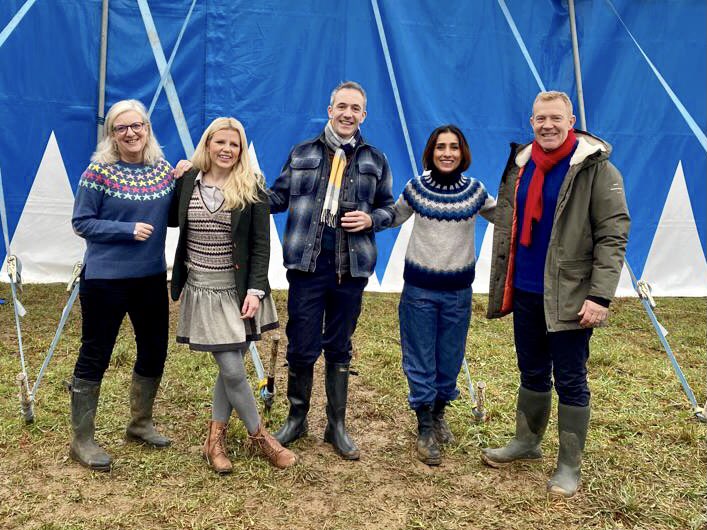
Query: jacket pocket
[(572, 286), (304, 175), (367, 180)]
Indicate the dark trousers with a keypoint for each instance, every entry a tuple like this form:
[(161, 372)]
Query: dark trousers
[(542, 354), (322, 313), (104, 304)]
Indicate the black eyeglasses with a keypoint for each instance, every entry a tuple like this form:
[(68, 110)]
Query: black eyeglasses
[(122, 129)]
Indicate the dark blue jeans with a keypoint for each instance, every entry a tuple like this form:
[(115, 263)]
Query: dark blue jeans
[(542, 354), (322, 313), (104, 304), (433, 329)]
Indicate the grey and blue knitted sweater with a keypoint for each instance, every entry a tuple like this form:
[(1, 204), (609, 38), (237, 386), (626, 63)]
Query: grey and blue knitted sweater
[(441, 252)]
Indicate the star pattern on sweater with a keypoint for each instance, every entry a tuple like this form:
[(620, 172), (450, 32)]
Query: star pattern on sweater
[(136, 184)]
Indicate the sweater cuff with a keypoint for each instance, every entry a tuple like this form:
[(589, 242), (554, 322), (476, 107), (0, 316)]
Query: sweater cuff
[(604, 302)]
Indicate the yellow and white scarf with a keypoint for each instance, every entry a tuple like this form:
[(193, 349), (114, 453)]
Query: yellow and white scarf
[(338, 165)]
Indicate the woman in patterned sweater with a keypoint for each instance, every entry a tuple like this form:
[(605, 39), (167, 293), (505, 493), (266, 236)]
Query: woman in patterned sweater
[(121, 210), (221, 273), (435, 305)]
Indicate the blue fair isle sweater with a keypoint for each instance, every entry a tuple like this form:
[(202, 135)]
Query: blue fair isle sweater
[(440, 254), (110, 199)]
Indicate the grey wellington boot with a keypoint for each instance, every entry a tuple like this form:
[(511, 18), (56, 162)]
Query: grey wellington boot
[(572, 424), (440, 426), (83, 448), (142, 398), (299, 394), (427, 445), (532, 414), (337, 391)]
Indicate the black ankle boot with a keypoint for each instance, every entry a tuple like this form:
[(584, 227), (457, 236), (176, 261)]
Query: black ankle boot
[(441, 428), (337, 388), (299, 393), (427, 446)]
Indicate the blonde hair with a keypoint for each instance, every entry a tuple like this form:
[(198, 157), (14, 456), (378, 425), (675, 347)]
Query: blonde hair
[(242, 185), (552, 95), (107, 149)]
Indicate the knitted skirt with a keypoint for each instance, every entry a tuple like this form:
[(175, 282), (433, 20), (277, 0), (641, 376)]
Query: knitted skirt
[(210, 314)]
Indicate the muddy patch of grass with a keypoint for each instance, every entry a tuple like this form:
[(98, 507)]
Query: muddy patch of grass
[(644, 465)]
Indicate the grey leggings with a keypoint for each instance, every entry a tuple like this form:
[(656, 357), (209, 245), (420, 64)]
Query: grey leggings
[(232, 391)]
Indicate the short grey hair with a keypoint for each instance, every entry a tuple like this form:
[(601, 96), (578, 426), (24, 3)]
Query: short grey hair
[(353, 85), (552, 95)]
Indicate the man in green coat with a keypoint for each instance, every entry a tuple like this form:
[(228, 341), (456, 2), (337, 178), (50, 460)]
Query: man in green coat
[(560, 232)]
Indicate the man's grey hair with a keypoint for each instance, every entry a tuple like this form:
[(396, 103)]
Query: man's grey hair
[(552, 95), (352, 85)]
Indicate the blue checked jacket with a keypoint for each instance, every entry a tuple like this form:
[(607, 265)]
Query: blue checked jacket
[(301, 188)]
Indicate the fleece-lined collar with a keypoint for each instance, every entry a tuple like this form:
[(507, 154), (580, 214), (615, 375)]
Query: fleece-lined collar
[(587, 145)]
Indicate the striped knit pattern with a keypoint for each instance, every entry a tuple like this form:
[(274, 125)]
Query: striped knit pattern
[(441, 253), (209, 241), (143, 183)]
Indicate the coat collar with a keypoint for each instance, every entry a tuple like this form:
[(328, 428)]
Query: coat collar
[(587, 145)]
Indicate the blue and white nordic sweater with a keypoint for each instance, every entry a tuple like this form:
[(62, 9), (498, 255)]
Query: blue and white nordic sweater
[(110, 199), (440, 254)]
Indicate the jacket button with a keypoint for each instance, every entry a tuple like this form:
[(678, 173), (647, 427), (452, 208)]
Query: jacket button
[(237, 267)]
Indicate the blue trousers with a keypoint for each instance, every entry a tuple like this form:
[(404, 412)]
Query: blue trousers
[(433, 329), (323, 310), (542, 354)]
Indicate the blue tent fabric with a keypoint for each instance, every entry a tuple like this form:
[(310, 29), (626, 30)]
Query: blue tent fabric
[(272, 65)]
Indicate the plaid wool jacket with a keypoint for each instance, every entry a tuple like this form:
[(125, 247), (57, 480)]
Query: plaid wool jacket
[(301, 188)]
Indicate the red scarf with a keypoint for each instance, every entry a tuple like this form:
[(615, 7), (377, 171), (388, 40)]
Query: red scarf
[(544, 162)]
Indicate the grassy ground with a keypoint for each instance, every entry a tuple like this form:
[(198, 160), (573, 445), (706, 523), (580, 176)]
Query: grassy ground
[(644, 464)]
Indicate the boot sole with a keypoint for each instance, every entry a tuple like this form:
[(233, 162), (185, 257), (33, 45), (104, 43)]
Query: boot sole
[(137, 440), (217, 471), (559, 493), (346, 456), (75, 458), (499, 465)]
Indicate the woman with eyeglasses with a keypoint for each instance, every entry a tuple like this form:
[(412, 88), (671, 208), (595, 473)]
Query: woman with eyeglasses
[(121, 209)]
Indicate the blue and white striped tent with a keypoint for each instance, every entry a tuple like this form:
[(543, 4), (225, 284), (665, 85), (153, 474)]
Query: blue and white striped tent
[(272, 64)]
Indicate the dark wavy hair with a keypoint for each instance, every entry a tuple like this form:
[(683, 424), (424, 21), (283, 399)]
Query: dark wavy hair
[(428, 153)]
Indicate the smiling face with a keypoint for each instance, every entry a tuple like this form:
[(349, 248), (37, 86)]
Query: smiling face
[(551, 122), (130, 135), (447, 152), (224, 148), (347, 112)]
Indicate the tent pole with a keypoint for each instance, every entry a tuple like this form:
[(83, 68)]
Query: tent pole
[(102, 71), (577, 67)]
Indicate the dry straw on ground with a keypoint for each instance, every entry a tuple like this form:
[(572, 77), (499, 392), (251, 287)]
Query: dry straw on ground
[(644, 465)]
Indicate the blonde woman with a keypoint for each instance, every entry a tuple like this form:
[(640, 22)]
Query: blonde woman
[(121, 208), (221, 273)]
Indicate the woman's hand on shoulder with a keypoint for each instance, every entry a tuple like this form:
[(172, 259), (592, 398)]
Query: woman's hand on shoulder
[(181, 167)]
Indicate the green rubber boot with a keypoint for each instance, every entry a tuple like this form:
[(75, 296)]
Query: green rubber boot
[(142, 398), (83, 448), (572, 424), (532, 414)]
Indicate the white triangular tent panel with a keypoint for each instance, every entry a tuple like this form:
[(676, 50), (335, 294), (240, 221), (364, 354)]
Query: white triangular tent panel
[(393, 277), (483, 264), (676, 264), (276, 270), (44, 239), (625, 287)]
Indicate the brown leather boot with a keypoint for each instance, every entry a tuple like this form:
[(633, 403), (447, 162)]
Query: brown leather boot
[(279, 456), (215, 450)]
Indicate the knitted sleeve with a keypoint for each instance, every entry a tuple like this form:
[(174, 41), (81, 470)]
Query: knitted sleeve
[(402, 209), (87, 219), (488, 209)]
